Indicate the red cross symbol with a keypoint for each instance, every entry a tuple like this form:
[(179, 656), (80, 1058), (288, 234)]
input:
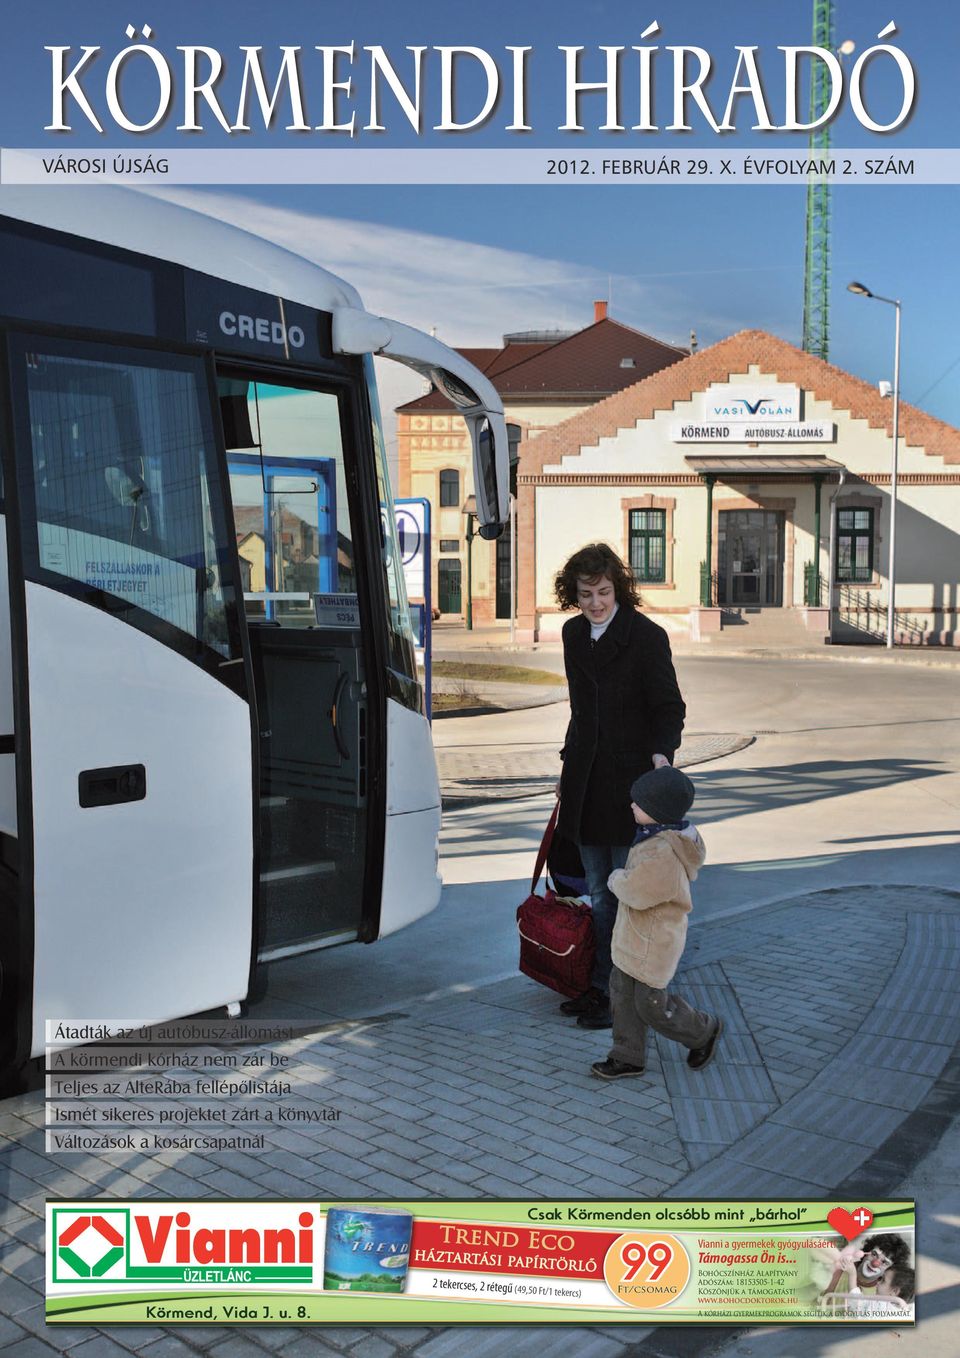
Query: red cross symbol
[(862, 1217)]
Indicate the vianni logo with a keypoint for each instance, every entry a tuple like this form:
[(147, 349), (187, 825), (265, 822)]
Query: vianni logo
[(90, 1245), (210, 1243)]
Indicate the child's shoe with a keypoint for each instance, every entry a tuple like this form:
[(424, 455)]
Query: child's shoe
[(701, 1056), (612, 1069)]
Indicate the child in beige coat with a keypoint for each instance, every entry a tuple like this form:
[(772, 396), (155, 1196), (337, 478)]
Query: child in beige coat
[(651, 929)]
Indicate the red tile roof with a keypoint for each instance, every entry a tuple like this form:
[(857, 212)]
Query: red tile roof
[(585, 366), (489, 361), (775, 358), (480, 358), (517, 351), (589, 363)]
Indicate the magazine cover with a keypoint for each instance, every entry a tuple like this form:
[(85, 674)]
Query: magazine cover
[(479, 706)]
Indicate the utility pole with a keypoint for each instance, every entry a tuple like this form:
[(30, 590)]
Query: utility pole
[(816, 271)]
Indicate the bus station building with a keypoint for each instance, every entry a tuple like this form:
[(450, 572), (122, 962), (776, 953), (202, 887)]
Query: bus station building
[(749, 476), (544, 378)]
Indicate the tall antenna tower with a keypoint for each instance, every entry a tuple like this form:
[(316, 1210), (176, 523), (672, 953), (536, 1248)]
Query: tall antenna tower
[(816, 271)]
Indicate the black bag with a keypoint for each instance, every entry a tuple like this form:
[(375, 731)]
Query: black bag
[(565, 865)]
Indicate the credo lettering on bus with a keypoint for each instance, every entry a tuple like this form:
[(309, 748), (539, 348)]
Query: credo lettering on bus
[(261, 329)]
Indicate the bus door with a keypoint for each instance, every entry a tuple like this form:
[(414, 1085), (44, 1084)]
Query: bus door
[(134, 741), (297, 558)]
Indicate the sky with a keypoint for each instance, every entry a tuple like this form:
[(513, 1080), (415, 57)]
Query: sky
[(474, 262)]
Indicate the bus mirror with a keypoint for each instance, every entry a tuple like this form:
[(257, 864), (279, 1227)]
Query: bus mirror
[(235, 413), (455, 389), (471, 393), (490, 449)]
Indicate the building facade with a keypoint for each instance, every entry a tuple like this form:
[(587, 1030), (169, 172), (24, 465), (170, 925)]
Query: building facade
[(545, 378), (750, 476)]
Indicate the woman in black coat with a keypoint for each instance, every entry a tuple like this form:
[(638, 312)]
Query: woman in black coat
[(626, 717)]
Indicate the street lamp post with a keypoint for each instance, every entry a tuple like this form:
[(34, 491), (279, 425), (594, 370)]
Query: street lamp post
[(861, 291), (470, 511), (513, 569)]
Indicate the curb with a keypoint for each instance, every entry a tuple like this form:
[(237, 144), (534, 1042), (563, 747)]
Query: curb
[(926, 657), (486, 711), (453, 800), (834, 653)]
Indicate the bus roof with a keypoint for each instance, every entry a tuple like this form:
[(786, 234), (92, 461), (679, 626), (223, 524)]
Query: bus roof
[(131, 219), (138, 221)]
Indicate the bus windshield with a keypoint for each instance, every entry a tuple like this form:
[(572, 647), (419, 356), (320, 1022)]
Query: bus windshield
[(402, 655), (120, 478)]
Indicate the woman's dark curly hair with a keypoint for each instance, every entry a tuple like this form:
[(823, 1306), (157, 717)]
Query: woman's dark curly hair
[(591, 563)]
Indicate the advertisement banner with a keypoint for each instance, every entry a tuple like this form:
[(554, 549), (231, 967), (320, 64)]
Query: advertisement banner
[(274, 1262)]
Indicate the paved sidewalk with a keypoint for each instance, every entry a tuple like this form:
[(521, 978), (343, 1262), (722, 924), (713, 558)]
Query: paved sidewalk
[(827, 931), (486, 1092), (935, 1184)]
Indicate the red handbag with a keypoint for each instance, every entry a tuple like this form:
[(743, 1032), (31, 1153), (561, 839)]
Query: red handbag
[(556, 932)]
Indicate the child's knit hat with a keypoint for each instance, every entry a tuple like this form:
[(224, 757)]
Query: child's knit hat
[(666, 794)]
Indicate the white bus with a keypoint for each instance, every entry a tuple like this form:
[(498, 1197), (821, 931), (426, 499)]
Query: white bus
[(213, 747)]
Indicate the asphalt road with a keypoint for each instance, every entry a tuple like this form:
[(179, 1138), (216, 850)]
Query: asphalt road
[(854, 776)]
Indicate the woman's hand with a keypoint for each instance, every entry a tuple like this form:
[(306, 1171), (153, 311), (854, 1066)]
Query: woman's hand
[(660, 761)]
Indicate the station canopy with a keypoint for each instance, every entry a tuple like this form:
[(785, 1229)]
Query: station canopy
[(758, 465)]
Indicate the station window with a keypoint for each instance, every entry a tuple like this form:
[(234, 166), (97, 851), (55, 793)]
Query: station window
[(449, 544), (648, 542), (854, 545), (450, 489)]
